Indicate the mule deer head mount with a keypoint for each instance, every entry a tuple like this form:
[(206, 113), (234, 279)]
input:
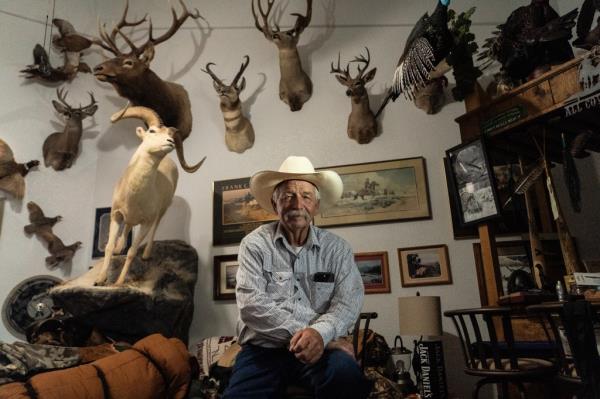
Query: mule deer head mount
[(295, 87), (362, 125), (239, 133), (61, 148), (131, 76)]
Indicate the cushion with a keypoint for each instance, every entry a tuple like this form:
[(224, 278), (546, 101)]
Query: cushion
[(211, 349)]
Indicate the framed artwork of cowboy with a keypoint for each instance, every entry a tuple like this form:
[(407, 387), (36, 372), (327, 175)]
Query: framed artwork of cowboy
[(384, 191), (235, 211)]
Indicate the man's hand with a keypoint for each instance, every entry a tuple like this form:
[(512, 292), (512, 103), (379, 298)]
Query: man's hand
[(342, 345), (307, 345)]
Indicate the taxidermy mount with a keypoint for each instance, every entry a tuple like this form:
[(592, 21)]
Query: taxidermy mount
[(586, 36), (61, 148), (362, 125), (533, 38), (41, 226), (295, 87), (71, 44), (144, 191), (239, 133), (131, 76), (12, 173)]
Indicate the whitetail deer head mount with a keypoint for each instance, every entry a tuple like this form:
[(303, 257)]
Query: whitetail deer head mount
[(61, 148), (239, 133), (295, 87), (362, 125), (131, 76)]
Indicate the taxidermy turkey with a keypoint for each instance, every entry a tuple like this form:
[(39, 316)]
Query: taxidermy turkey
[(586, 36), (533, 38)]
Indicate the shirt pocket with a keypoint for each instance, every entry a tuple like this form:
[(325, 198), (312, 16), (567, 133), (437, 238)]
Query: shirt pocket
[(279, 285), (321, 294)]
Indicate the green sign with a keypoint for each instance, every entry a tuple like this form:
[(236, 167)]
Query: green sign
[(503, 119)]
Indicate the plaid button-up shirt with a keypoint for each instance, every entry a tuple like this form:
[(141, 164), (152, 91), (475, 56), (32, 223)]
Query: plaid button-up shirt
[(276, 292)]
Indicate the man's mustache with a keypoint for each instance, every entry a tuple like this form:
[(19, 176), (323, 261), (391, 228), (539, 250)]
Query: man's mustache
[(297, 213)]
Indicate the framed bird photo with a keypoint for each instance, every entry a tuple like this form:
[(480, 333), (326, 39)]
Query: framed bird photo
[(101, 227), (471, 182)]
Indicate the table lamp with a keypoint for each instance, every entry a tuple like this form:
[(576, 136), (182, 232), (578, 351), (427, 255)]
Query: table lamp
[(421, 316)]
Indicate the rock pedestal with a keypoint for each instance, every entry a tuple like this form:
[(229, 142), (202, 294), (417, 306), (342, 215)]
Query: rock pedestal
[(158, 295)]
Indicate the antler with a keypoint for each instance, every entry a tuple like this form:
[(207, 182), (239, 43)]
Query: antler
[(241, 71), (362, 59), (61, 94), (91, 104), (211, 73), (265, 28), (302, 21), (345, 73), (108, 42)]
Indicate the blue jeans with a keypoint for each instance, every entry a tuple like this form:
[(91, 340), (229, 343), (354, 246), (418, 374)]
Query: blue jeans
[(266, 372)]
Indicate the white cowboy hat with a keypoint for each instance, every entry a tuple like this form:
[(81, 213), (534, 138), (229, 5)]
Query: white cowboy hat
[(263, 183)]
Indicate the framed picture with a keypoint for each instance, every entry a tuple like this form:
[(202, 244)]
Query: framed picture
[(514, 216), (101, 228), (374, 270), (380, 192), (472, 183), (225, 269), (235, 211), (427, 265)]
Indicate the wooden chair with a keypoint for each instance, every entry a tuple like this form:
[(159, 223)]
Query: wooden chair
[(577, 354), (358, 335), (489, 349)]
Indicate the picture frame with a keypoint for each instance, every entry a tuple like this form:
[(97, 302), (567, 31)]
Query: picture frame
[(514, 216), (224, 273), (374, 192), (424, 265), (101, 230), (374, 271), (472, 183), (235, 211)]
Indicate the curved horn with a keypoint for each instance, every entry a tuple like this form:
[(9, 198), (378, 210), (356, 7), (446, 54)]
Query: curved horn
[(211, 73), (146, 114), (181, 158), (241, 71)]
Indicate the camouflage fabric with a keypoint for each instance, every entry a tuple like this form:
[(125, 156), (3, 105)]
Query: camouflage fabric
[(21, 359), (383, 388)]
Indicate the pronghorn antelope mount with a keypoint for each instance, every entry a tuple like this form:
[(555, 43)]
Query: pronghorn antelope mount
[(362, 125), (132, 78), (295, 87), (239, 133), (61, 148), (144, 191)]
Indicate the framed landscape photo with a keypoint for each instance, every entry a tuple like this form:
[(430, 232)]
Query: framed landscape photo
[(374, 270), (101, 228), (235, 211), (426, 265), (225, 269), (380, 192), (472, 183)]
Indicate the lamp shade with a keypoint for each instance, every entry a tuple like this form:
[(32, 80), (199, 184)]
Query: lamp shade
[(420, 315)]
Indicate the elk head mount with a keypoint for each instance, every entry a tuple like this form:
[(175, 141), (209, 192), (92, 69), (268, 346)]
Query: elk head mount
[(239, 133), (295, 87), (61, 148), (132, 78), (362, 125)]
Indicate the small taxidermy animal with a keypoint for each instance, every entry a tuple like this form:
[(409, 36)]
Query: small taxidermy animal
[(68, 42), (41, 226), (12, 173)]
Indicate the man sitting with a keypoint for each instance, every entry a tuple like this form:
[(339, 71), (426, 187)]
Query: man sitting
[(298, 290)]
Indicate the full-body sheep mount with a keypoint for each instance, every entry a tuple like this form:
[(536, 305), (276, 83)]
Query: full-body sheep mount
[(144, 191)]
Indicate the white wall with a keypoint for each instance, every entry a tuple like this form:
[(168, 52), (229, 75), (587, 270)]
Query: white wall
[(318, 131)]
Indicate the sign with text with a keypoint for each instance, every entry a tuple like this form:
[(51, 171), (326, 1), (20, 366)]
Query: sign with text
[(433, 372)]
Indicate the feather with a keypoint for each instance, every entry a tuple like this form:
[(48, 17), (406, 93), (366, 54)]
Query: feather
[(526, 182), (571, 176)]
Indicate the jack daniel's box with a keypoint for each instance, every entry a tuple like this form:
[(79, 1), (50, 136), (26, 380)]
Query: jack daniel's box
[(433, 373)]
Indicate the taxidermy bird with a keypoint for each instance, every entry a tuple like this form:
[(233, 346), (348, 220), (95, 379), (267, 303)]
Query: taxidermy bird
[(427, 45), (12, 173), (586, 36), (71, 44), (533, 38), (41, 226)]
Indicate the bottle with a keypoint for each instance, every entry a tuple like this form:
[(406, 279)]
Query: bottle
[(560, 291)]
